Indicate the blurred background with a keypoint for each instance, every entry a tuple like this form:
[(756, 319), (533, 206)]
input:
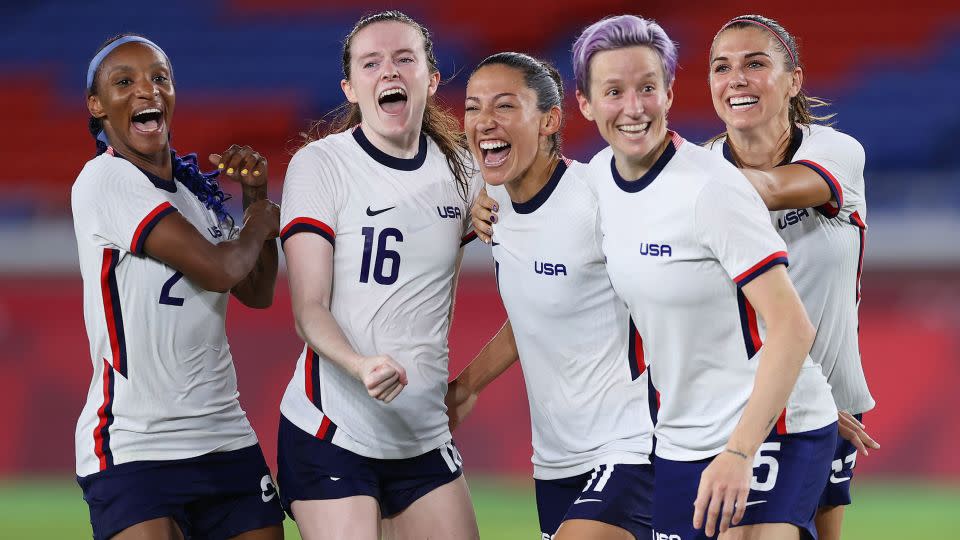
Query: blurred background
[(258, 71)]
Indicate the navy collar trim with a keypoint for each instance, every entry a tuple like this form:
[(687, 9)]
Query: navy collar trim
[(541, 197), (385, 159), (634, 186), (796, 139), (159, 183)]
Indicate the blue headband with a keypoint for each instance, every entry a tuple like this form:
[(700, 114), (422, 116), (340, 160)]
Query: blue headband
[(98, 59)]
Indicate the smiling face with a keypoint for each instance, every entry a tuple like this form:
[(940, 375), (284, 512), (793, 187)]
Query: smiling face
[(505, 129), (749, 82), (135, 100), (390, 79), (629, 101)]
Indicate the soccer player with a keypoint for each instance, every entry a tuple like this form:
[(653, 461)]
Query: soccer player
[(586, 383), (164, 450), (363, 432), (746, 426), (811, 178)]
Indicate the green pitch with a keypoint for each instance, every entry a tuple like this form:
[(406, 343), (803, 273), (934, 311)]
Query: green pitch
[(38, 509)]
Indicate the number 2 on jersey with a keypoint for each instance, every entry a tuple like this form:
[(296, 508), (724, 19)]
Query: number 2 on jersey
[(381, 257), (165, 297)]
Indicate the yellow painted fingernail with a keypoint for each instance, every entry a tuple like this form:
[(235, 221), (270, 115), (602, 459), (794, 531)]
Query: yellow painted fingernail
[(244, 172), (256, 173), (230, 170), (220, 166)]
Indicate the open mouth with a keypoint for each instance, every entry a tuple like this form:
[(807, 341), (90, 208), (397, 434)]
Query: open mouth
[(148, 120), (392, 100), (743, 102), (495, 152), (634, 130)]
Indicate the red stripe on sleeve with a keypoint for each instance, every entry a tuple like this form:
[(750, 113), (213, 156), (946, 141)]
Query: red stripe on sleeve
[(309, 222), (782, 423), (760, 264), (144, 223)]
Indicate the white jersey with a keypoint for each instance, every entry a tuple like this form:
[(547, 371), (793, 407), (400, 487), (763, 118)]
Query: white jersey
[(680, 242), (587, 389), (397, 226), (164, 385), (826, 256)]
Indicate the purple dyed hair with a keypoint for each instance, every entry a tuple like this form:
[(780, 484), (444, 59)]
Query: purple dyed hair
[(617, 32)]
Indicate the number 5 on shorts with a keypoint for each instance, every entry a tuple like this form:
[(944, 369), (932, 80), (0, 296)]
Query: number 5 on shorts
[(767, 460)]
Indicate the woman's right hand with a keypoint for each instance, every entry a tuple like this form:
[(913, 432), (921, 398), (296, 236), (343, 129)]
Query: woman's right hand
[(263, 215), (484, 215), (382, 376)]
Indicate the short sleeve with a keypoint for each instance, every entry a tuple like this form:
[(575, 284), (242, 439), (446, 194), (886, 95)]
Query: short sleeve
[(310, 196), (839, 160), (119, 203), (732, 222)]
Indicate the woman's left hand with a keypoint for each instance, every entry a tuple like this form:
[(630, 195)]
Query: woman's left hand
[(243, 164), (723, 491)]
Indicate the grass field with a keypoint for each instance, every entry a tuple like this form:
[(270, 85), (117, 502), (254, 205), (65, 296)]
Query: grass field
[(54, 509)]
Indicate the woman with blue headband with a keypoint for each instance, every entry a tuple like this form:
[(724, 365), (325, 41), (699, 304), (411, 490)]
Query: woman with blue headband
[(164, 450)]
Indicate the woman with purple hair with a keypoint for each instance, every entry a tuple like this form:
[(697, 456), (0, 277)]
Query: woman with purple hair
[(746, 425)]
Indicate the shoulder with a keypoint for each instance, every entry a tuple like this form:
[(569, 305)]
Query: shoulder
[(826, 138), (706, 165), (106, 172)]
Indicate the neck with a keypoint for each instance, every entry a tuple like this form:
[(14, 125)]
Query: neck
[(760, 147), (158, 164), (524, 187), (633, 168), (403, 146)]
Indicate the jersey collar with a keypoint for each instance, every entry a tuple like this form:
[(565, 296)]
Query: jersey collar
[(541, 197), (796, 139), (634, 186), (385, 159), (159, 183)]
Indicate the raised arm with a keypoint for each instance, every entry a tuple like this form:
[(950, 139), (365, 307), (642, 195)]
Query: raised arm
[(790, 186), (250, 169)]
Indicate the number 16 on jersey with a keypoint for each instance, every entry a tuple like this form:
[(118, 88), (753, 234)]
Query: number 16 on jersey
[(381, 256)]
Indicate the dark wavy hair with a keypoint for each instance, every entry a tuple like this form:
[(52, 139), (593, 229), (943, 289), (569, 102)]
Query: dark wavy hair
[(185, 168), (438, 123)]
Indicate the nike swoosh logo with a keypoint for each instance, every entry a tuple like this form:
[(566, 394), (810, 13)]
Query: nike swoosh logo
[(372, 213), (578, 501), (835, 480), (334, 478), (495, 243), (751, 503)]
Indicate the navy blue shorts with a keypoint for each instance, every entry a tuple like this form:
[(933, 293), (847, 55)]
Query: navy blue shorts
[(621, 495), (789, 473), (314, 469), (837, 492), (213, 496)]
